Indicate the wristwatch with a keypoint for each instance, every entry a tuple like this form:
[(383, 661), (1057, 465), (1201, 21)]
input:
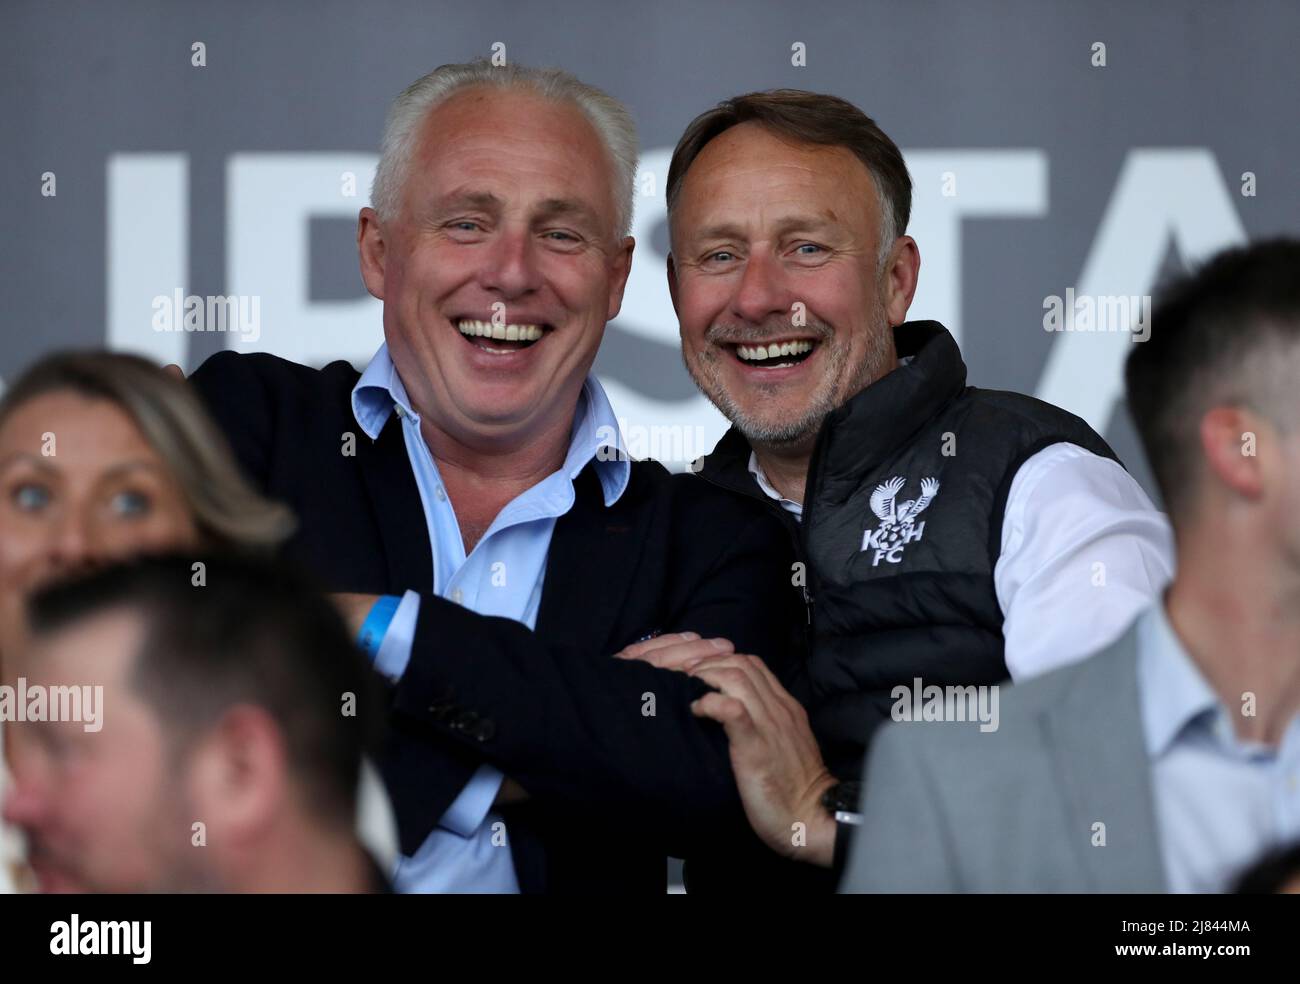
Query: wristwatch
[(841, 802)]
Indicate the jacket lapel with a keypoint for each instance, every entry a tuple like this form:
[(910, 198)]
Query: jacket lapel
[(397, 509), (594, 552), (1095, 737)]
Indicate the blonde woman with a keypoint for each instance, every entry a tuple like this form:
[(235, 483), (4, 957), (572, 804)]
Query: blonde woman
[(105, 455)]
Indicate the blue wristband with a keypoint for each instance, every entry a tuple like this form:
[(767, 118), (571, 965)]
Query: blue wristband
[(376, 624)]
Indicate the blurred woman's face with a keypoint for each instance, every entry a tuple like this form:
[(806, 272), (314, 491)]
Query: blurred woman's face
[(79, 485)]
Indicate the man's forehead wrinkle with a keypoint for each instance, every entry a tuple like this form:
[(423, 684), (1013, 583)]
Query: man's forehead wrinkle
[(783, 214), (798, 182)]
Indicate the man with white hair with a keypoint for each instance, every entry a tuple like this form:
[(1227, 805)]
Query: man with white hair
[(474, 469)]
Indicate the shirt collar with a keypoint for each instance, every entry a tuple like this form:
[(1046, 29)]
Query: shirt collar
[(377, 393), (595, 436), (1174, 693), (769, 490)]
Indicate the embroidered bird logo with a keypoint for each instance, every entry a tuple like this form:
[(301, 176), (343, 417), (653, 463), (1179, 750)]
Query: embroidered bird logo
[(897, 517)]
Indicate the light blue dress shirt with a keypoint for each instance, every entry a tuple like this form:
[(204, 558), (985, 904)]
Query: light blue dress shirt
[(503, 575), (1220, 802)]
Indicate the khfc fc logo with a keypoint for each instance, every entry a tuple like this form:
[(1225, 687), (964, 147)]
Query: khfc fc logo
[(898, 526)]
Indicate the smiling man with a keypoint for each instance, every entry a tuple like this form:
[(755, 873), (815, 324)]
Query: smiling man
[(473, 470), (954, 536)]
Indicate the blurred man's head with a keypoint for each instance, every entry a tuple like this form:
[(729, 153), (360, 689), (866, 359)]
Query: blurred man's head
[(498, 244), (229, 742), (1215, 396), (789, 264)]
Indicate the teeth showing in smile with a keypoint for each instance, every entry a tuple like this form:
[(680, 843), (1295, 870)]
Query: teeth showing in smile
[(758, 353), (505, 333)]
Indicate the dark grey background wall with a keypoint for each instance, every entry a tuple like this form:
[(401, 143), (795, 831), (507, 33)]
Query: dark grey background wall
[(1037, 170)]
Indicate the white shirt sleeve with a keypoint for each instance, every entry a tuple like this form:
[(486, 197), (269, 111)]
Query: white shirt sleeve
[(394, 653), (1084, 551)]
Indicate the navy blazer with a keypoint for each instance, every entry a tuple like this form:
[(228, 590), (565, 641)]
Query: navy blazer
[(613, 789)]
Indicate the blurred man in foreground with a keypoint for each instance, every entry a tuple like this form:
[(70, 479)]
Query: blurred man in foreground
[(226, 741)]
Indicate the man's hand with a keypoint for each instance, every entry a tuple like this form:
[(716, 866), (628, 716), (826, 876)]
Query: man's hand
[(778, 767), (675, 650)]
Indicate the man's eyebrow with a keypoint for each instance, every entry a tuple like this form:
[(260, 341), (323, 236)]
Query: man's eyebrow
[(558, 207), (484, 201), (812, 222), (783, 226), (721, 230)]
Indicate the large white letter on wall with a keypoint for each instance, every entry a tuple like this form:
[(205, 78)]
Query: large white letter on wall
[(270, 201), (147, 216)]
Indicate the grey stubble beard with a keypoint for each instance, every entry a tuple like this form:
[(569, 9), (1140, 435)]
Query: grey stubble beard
[(800, 432)]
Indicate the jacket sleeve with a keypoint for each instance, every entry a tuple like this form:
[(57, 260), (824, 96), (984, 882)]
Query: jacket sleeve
[(903, 845), (239, 401), (612, 739)]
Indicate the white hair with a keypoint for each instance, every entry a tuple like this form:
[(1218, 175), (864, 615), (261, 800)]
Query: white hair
[(612, 121)]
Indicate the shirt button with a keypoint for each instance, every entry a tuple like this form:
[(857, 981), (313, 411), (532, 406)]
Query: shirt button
[(441, 495), (457, 595)]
